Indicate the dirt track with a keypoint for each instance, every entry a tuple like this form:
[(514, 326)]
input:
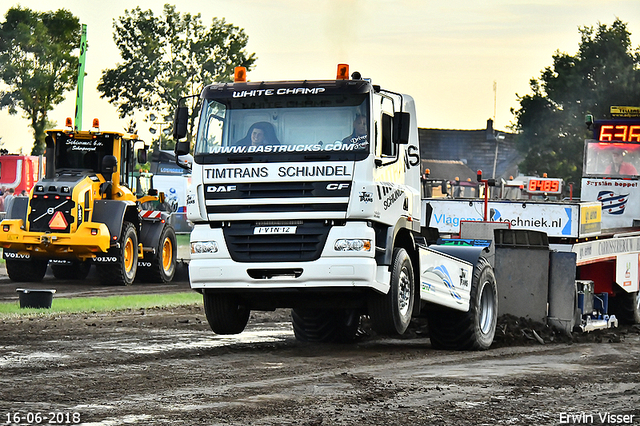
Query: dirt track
[(166, 367)]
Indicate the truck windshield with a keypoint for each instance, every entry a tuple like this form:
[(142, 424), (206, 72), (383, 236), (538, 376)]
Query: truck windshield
[(85, 154), (292, 128), (616, 159)]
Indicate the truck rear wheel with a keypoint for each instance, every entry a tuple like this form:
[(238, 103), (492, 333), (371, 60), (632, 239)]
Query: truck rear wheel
[(163, 263), (391, 313), (224, 314), (473, 330), (31, 270), (123, 271), (77, 271), (626, 307), (325, 325)]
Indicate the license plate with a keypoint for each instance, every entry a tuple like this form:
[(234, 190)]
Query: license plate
[(274, 230)]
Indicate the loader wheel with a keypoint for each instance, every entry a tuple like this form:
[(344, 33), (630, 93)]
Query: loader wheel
[(390, 313), (31, 270), (163, 263), (473, 330), (626, 307), (123, 271), (325, 325), (76, 271), (224, 313)]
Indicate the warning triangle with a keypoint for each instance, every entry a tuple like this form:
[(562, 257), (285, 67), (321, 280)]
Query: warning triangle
[(58, 221)]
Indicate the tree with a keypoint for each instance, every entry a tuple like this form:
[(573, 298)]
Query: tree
[(37, 64), (550, 122), (168, 57)]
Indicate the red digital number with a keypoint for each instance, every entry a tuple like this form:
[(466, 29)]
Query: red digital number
[(619, 133), (539, 185)]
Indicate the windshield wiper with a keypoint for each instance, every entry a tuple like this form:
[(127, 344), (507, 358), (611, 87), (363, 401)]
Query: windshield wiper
[(245, 159), (317, 157)]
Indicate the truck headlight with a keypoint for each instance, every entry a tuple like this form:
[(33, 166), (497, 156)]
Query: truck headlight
[(204, 247), (352, 245)]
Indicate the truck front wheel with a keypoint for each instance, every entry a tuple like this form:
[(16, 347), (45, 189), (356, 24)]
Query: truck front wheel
[(390, 313), (472, 330), (224, 313)]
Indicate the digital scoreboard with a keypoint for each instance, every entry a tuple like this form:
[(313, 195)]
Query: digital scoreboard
[(619, 130), (544, 186)]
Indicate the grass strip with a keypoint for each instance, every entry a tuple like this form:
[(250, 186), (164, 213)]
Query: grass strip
[(104, 304)]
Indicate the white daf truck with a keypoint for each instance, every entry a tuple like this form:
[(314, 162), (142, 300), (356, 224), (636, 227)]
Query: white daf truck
[(306, 195)]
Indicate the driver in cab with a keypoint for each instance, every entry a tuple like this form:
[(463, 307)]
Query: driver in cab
[(359, 131), (261, 133)]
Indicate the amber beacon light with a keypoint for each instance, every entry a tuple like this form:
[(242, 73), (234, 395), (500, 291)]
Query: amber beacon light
[(240, 75), (343, 72)]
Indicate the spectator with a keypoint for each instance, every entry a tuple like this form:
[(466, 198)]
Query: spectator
[(8, 198)]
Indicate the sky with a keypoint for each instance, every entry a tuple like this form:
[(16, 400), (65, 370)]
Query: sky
[(463, 61)]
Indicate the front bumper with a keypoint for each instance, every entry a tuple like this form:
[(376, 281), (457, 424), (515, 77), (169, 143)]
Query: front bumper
[(332, 270), (89, 239)]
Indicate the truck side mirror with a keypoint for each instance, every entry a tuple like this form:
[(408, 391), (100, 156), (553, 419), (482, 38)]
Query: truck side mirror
[(180, 121), (181, 148), (401, 126), (109, 164), (142, 156)]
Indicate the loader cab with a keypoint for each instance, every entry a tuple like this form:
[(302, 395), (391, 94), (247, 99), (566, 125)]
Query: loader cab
[(73, 153)]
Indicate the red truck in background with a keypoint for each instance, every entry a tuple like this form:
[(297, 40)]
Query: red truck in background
[(20, 172)]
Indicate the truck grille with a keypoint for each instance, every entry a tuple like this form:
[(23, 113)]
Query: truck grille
[(278, 197), (305, 245), (43, 209)]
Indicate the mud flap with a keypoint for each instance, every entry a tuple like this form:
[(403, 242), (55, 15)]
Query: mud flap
[(111, 213), (445, 280)]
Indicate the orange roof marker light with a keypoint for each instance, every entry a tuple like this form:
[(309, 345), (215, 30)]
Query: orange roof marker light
[(68, 122), (239, 75), (343, 72), (95, 124)]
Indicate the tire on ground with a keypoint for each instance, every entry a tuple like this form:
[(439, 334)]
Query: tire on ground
[(163, 262), (78, 270), (224, 313), (473, 330), (626, 307), (390, 313), (31, 270), (325, 325), (123, 271)]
